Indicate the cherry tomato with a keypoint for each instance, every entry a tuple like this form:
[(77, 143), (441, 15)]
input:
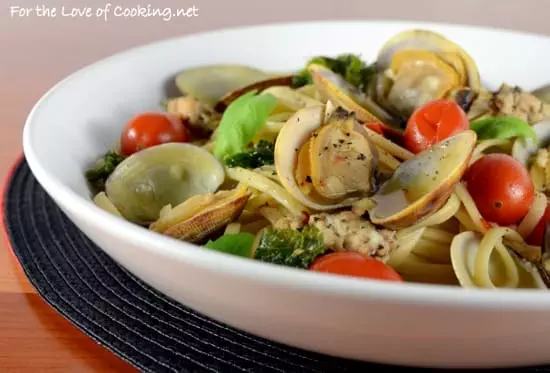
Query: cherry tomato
[(501, 188), (150, 129), (354, 264), (388, 132), (536, 236), (434, 122)]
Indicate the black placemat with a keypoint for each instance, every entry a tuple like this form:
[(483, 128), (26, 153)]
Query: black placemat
[(120, 312)]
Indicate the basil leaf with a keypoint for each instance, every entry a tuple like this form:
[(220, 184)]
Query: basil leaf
[(239, 244), (502, 127), (241, 121)]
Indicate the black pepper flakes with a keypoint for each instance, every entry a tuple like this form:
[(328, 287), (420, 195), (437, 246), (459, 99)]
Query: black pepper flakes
[(361, 157), (341, 141), (308, 179)]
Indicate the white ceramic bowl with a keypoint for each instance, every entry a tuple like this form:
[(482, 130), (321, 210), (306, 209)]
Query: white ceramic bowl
[(411, 324)]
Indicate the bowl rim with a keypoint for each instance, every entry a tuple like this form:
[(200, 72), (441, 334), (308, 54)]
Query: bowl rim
[(266, 273)]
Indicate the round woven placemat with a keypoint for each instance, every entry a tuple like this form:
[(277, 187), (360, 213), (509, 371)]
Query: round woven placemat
[(120, 312)]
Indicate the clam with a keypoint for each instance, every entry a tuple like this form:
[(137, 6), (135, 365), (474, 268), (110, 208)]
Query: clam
[(202, 215), (525, 147), (328, 165), (209, 84), (228, 98), (336, 89), (166, 174), (418, 66), (422, 184)]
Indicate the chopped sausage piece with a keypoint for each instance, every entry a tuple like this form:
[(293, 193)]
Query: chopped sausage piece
[(510, 100), (195, 113)]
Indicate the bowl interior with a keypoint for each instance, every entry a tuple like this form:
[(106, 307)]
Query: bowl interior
[(82, 116)]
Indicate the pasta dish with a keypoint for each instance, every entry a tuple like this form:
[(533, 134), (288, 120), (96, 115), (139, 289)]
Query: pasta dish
[(405, 168)]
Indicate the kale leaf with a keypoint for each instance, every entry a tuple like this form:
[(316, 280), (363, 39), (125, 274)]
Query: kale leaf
[(349, 66), (260, 155), (98, 174), (292, 248)]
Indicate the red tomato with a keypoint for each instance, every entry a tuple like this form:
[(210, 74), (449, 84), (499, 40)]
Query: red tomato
[(433, 122), (535, 238), (501, 188), (150, 129), (354, 264)]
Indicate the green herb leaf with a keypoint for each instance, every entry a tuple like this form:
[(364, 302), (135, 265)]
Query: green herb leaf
[(98, 174), (349, 66), (502, 127), (290, 247), (260, 155), (239, 244), (241, 121)]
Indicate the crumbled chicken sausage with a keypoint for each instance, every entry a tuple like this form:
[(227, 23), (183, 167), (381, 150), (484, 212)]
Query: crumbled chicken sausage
[(347, 231), (513, 101), (194, 112)]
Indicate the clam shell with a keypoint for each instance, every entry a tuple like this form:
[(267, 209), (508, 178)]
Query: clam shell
[(209, 84), (335, 88), (228, 98), (430, 41), (292, 145), (198, 218), (166, 174), (422, 184)]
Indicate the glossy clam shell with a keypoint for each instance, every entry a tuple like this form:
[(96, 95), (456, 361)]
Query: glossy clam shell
[(420, 185), (334, 88), (166, 174), (210, 83), (429, 41)]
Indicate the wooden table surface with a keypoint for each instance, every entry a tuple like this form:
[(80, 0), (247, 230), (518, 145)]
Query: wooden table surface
[(38, 51)]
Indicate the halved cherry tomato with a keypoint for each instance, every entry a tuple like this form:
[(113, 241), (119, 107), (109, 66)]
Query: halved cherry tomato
[(536, 236), (356, 265), (150, 129), (434, 122), (501, 188), (391, 134)]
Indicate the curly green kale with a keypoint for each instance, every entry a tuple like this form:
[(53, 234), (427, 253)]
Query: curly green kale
[(290, 247), (349, 66), (259, 155), (98, 174)]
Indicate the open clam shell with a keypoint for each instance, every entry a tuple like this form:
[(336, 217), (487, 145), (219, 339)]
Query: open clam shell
[(422, 184), (309, 153), (166, 174), (201, 216), (336, 89), (430, 41)]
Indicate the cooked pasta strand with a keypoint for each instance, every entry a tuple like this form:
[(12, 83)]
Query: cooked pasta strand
[(267, 186)]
